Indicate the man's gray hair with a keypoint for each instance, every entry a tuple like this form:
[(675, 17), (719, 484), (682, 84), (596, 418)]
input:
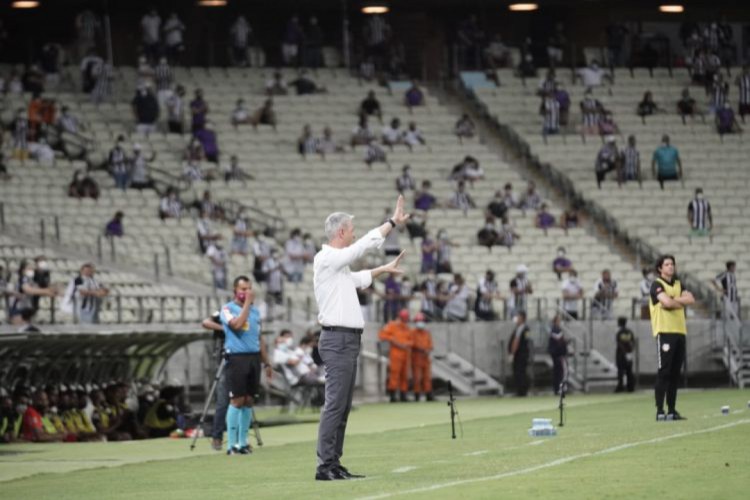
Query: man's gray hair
[(334, 223)]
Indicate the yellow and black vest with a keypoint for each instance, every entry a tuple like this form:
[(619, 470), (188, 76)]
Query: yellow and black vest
[(153, 420), (667, 320)]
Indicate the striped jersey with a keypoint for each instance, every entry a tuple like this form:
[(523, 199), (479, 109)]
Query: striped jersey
[(728, 283), (699, 211), (631, 158), (743, 84), (163, 76), (551, 111)]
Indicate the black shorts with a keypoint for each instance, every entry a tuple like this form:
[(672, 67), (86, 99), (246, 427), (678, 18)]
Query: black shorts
[(243, 374)]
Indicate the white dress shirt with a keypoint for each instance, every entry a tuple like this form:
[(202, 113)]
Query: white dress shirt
[(336, 285)]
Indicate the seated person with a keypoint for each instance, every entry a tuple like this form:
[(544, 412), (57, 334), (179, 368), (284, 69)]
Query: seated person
[(607, 125), (361, 134), (497, 207), (327, 144), (374, 153), (114, 227), (423, 199), (561, 264), (170, 205), (192, 171), (291, 362), (488, 235), (569, 218), (405, 182), (392, 133), (464, 127), (647, 106), (497, 53), (414, 96), (265, 115), (207, 137), (461, 200), (370, 106), (240, 114), (544, 219), (591, 111), (687, 106), (305, 85), (563, 99), (607, 159), (413, 136), (36, 425), (726, 121), (276, 85), (307, 144)]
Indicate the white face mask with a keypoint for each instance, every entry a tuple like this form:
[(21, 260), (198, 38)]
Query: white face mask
[(288, 342), (29, 273), (42, 265), (421, 325), (561, 253), (21, 408)]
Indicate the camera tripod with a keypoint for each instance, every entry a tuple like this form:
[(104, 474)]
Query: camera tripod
[(563, 392), (454, 412)]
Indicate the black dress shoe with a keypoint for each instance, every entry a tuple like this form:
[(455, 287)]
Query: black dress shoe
[(348, 475), (329, 475)]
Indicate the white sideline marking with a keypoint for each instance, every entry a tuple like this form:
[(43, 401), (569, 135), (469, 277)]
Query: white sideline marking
[(401, 470), (536, 443), (475, 453), (555, 463)]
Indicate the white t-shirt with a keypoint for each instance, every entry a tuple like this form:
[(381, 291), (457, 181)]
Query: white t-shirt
[(458, 305), (591, 77), (391, 134), (573, 288), (218, 257), (273, 275), (413, 137), (173, 29), (150, 25), (282, 355)]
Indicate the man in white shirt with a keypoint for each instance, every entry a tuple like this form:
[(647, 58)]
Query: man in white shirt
[(173, 36), (457, 307), (572, 292), (592, 75), (341, 319), (150, 27), (218, 257)]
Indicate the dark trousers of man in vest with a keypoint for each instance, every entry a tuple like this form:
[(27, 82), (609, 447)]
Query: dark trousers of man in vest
[(671, 356), (520, 377)]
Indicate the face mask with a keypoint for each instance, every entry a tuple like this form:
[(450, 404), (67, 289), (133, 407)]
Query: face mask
[(53, 410), (421, 325), (308, 351), (29, 273), (240, 296), (42, 265), (288, 342), (21, 408), (561, 254)]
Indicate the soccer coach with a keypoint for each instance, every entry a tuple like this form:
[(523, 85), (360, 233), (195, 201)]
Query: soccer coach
[(341, 319)]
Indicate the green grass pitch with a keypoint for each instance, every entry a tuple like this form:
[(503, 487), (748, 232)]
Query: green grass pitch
[(610, 447)]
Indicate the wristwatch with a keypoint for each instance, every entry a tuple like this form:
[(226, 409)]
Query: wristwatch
[(390, 221)]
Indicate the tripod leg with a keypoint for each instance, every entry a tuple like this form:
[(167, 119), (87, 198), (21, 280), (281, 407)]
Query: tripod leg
[(256, 427), (208, 402)]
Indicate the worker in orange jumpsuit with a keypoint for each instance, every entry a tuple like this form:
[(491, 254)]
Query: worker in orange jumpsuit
[(421, 368), (398, 334)]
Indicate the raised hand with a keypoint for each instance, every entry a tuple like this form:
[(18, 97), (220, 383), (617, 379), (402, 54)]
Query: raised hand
[(399, 217), (392, 266)]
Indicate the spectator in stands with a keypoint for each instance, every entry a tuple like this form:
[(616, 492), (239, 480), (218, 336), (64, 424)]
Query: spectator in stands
[(605, 293), (520, 289), (531, 199), (291, 41), (26, 290), (192, 171), (743, 86), (150, 29), (233, 171), (313, 46), (295, 256), (218, 258), (726, 122), (497, 54), (630, 161), (198, 110), (607, 160), (83, 188), (487, 292), (265, 115), (293, 364), (569, 218), (544, 219), (572, 292), (592, 75), (591, 111), (370, 106), (413, 96), (461, 200), (240, 234), (414, 137), (547, 84), (173, 36), (327, 144), (487, 236), (139, 176), (67, 122), (464, 128), (687, 106), (145, 110), (508, 234), (470, 41), (206, 233), (170, 205), (33, 80), (607, 125), (699, 215), (457, 306), (374, 153), (88, 293), (20, 129), (561, 264), (666, 164), (416, 225), (361, 134), (37, 426), (144, 72), (207, 137), (115, 227), (719, 92), (4, 175), (15, 86), (392, 133), (563, 99), (556, 45), (467, 170), (509, 197), (423, 199), (645, 289), (42, 152), (307, 143), (648, 106), (273, 272), (276, 85), (241, 33), (305, 85), (405, 182), (497, 207), (88, 26), (175, 105), (428, 248), (726, 284), (240, 113), (26, 325), (444, 250), (550, 111)]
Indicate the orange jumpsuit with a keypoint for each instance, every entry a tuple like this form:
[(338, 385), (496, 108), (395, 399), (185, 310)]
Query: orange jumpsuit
[(399, 335), (421, 368)]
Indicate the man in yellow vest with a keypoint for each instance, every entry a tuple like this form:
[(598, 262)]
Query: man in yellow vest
[(667, 306)]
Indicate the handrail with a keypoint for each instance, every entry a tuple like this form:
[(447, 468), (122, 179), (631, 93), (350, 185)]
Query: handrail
[(232, 209)]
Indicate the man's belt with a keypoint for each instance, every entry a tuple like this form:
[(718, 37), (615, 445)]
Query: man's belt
[(343, 329)]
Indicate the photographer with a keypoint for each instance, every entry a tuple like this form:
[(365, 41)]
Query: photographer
[(625, 340), (557, 347)]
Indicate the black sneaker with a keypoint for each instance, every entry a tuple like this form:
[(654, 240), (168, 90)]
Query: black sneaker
[(675, 416), (660, 416), (233, 451), (245, 450), (348, 475)]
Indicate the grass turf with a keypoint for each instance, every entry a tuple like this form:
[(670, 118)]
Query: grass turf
[(611, 447)]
